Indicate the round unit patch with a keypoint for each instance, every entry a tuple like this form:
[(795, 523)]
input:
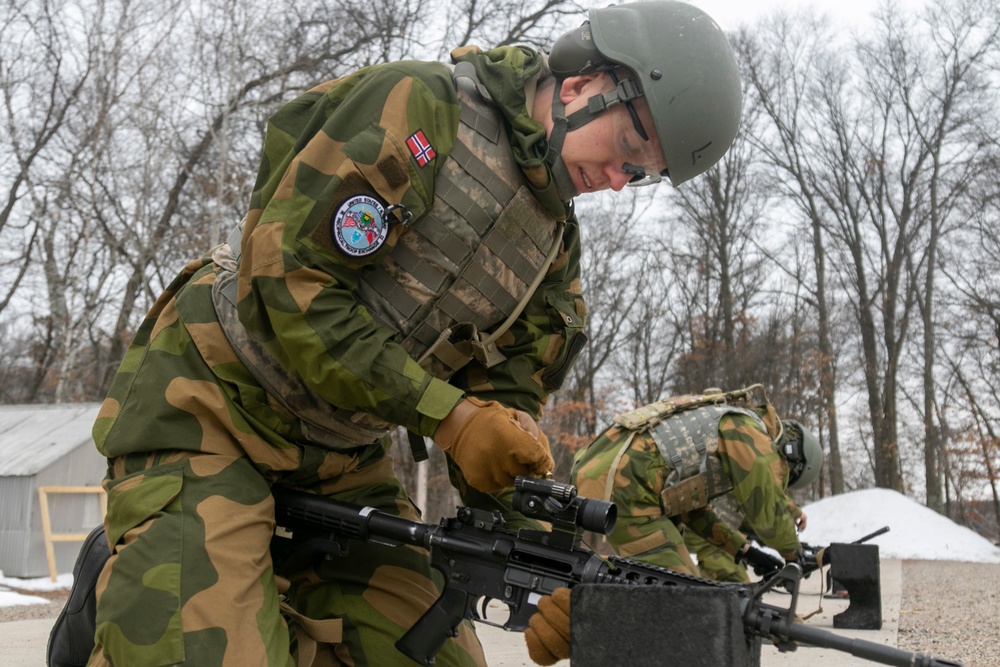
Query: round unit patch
[(360, 226)]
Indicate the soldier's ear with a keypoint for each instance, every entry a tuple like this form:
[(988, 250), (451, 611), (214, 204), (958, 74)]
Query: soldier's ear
[(585, 85)]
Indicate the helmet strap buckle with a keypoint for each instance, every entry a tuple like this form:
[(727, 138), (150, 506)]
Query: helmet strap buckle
[(625, 91)]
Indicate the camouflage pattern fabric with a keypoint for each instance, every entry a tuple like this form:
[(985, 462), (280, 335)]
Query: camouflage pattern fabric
[(718, 563), (444, 287), (641, 530), (748, 460), (189, 583), (714, 563), (190, 538)]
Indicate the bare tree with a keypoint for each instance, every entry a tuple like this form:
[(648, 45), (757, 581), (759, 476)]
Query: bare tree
[(658, 334), (780, 61), (41, 76), (969, 341), (983, 436), (947, 103), (868, 177), (716, 260), (504, 22), (614, 281)]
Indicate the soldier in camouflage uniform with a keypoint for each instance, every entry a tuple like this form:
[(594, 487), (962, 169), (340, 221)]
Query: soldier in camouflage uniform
[(662, 465), (694, 460), (715, 562), (409, 258)]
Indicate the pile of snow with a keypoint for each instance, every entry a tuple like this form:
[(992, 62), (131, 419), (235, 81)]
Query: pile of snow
[(915, 532)]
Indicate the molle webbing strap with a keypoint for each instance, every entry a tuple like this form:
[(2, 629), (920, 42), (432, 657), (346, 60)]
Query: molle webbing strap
[(471, 261), (686, 439), (727, 509), (502, 190), (688, 442), (553, 156), (609, 481), (418, 446)]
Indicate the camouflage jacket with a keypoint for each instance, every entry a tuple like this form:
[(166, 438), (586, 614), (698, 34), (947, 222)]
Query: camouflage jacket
[(180, 385), (748, 459)]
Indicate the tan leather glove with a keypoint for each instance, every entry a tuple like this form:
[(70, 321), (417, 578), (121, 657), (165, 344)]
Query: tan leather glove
[(547, 635), (492, 444)]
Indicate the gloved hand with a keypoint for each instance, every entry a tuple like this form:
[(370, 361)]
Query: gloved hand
[(763, 563), (492, 444), (547, 635)]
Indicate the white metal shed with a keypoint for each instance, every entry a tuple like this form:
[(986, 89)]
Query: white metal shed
[(46, 445)]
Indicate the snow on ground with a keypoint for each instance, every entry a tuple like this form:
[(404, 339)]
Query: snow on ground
[(915, 533), (9, 597)]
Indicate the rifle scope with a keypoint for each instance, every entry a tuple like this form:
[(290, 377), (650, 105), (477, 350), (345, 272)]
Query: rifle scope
[(559, 504)]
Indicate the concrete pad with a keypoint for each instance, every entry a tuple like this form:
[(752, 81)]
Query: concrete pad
[(23, 643)]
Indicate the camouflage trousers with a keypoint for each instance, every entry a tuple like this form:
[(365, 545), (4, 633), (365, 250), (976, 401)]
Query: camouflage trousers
[(714, 563), (190, 580)]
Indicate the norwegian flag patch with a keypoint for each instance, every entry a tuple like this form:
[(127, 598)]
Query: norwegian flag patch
[(420, 148)]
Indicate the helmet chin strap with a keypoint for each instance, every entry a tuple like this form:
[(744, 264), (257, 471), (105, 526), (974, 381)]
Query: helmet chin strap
[(553, 157), (625, 91)]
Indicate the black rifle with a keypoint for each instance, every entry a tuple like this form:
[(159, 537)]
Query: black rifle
[(811, 554), (482, 560)]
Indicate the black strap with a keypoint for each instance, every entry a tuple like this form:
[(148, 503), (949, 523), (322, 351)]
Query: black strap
[(418, 448)]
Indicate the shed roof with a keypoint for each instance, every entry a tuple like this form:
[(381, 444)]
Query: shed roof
[(34, 436)]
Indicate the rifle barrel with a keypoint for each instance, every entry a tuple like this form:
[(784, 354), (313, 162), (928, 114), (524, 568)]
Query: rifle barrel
[(887, 655), (881, 531)]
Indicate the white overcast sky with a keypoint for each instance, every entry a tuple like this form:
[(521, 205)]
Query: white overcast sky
[(730, 13)]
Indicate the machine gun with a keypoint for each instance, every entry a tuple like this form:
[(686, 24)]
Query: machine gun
[(812, 554), (482, 560)]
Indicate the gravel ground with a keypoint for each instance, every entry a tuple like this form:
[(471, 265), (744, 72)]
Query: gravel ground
[(28, 612), (951, 610), (948, 610)]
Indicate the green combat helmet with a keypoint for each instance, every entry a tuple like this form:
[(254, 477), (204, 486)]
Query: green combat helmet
[(684, 67), (800, 448)]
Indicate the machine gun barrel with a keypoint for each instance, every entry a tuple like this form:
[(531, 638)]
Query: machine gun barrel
[(887, 655), (767, 620), (811, 553), (881, 531)]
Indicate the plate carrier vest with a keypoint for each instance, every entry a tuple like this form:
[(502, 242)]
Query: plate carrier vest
[(685, 430), (468, 266)]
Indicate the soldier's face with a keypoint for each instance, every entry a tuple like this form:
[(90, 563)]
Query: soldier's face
[(606, 152)]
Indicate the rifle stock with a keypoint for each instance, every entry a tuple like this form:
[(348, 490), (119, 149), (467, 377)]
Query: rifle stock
[(481, 560)]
